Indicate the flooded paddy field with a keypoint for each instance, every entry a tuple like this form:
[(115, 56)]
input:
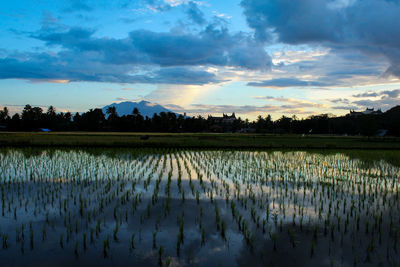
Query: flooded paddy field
[(171, 207)]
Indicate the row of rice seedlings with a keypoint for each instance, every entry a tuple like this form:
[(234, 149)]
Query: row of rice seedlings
[(326, 191), (265, 191)]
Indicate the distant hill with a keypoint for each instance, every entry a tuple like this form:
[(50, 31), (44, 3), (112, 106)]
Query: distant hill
[(145, 108)]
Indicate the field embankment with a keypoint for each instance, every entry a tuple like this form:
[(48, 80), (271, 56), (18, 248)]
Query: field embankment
[(195, 140)]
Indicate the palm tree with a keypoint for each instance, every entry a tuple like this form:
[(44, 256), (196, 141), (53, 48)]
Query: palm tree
[(112, 112), (135, 111), (4, 114), (51, 111)]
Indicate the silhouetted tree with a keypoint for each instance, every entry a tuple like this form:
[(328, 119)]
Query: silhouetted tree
[(15, 122), (283, 125), (93, 120), (33, 118), (112, 113), (135, 111), (4, 115)]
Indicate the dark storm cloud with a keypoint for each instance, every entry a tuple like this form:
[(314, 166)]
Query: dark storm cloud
[(168, 49), (181, 75), (84, 57), (48, 67), (195, 14), (74, 37), (177, 75), (211, 47), (370, 26), (285, 82), (295, 21), (63, 66)]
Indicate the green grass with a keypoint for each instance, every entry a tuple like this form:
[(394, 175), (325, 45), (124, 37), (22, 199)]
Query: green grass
[(195, 140)]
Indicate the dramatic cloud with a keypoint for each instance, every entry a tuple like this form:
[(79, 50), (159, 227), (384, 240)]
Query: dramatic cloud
[(63, 66), (384, 103), (385, 94), (51, 69), (380, 99), (211, 47), (368, 94), (391, 93), (84, 57), (177, 75), (370, 26), (285, 82), (185, 51), (75, 37), (195, 14)]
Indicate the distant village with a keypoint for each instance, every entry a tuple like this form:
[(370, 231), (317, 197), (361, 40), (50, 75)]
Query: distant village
[(370, 122), (226, 122)]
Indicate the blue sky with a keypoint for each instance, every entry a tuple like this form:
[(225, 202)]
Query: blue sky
[(278, 57)]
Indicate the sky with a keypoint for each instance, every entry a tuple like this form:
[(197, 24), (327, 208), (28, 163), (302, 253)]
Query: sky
[(251, 57)]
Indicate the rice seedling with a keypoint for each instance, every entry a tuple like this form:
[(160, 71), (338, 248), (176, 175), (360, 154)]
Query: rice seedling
[(76, 249), (106, 247), (31, 239), (115, 232), (331, 200), (154, 239), (203, 236), (22, 248), (62, 240), (132, 242), (84, 237), (168, 262), (160, 254), (4, 238), (274, 237)]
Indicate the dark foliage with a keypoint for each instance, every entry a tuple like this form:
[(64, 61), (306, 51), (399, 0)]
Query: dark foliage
[(34, 119)]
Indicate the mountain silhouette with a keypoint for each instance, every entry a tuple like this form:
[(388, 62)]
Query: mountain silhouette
[(145, 108)]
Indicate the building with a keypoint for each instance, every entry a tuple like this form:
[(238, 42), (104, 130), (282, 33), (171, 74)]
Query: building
[(368, 111), (222, 124), (225, 119)]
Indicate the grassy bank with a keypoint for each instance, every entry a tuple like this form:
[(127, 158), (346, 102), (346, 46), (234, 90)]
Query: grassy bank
[(194, 140)]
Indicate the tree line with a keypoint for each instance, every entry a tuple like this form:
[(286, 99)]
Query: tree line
[(35, 119)]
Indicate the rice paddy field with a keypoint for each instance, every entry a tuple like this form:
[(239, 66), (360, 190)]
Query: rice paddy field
[(180, 207), (195, 140)]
